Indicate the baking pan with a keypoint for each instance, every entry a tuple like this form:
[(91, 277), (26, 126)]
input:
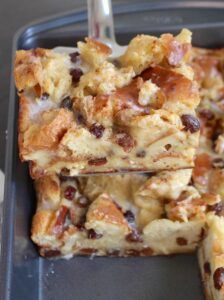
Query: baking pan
[(24, 275)]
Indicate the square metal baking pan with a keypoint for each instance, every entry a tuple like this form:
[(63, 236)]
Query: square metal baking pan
[(23, 274)]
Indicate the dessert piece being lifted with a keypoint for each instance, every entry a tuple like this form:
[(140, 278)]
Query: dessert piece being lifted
[(83, 113)]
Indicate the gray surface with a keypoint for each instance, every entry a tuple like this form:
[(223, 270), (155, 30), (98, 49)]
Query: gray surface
[(156, 278)]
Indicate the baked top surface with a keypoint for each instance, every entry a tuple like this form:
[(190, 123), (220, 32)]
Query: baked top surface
[(82, 113)]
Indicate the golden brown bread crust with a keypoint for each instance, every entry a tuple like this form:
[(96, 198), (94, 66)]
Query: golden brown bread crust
[(42, 71), (48, 191), (42, 222), (94, 52), (144, 50), (105, 210), (176, 87), (23, 120), (53, 126), (28, 69), (81, 113)]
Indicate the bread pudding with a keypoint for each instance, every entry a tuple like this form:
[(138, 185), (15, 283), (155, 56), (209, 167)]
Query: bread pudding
[(83, 113), (119, 215)]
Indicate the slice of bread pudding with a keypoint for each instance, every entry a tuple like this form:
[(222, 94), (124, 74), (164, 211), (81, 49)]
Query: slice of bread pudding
[(83, 113)]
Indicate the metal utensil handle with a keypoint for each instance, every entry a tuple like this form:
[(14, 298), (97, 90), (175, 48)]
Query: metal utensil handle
[(100, 21)]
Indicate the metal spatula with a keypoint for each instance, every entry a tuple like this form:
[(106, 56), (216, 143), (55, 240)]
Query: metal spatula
[(100, 27)]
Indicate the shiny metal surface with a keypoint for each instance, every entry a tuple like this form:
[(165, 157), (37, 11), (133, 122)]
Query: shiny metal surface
[(100, 21), (101, 25)]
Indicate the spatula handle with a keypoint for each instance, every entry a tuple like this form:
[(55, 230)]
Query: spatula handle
[(100, 21)]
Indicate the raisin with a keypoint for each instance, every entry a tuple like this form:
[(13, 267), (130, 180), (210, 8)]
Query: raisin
[(206, 114), (202, 233), (133, 237), (93, 235), (167, 147), (74, 56), (76, 74), (97, 161), (217, 208), (82, 201), (191, 123), (97, 130), (124, 140), (141, 154), (218, 278), (80, 119), (207, 268), (44, 96), (129, 216), (181, 241), (69, 192), (81, 224), (218, 163), (66, 103), (52, 253)]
